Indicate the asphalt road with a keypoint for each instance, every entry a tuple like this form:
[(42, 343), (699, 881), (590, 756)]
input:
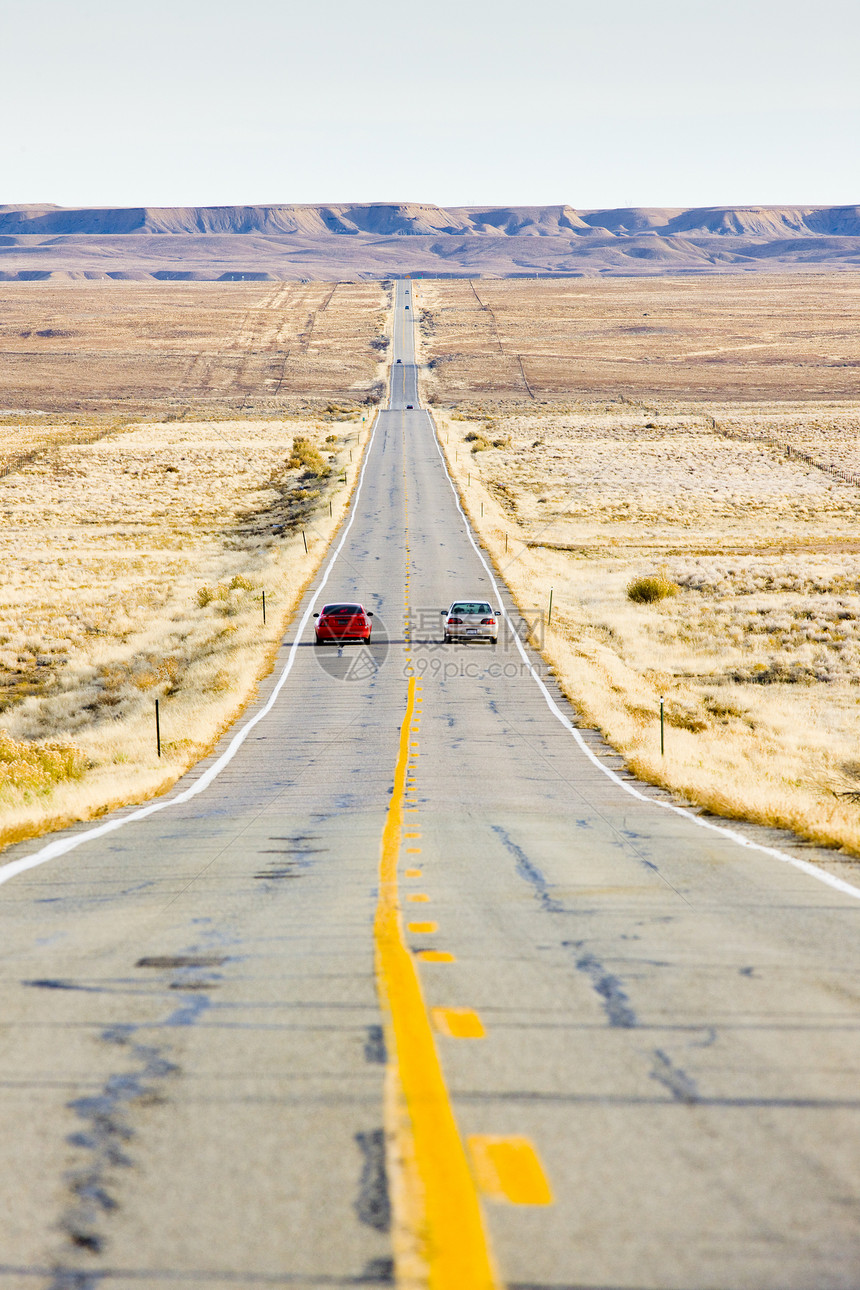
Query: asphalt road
[(413, 988)]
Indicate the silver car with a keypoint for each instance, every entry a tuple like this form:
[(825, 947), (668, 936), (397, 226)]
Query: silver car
[(471, 620)]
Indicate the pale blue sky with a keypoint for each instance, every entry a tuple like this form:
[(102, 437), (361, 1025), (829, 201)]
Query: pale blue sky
[(660, 103)]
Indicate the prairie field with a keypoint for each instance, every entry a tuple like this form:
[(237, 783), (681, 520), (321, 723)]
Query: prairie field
[(762, 338), (136, 548), (702, 550), (124, 349)]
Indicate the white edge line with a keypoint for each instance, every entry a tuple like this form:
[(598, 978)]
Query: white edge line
[(839, 884), (63, 845)]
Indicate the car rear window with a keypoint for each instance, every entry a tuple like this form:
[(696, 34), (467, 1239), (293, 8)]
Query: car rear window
[(342, 609), (470, 607)]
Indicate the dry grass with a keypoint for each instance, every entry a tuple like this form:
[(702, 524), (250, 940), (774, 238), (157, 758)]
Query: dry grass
[(136, 547), (739, 337), (758, 654), (133, 569), (125, 349)]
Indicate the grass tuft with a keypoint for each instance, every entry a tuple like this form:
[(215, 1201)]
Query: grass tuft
[(34, 769), (653, 587), (306, 456)]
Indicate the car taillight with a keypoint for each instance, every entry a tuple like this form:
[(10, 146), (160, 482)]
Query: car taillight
[(488, 622), (455, 620)]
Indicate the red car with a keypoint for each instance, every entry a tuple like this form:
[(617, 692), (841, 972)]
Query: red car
[(342, 623)]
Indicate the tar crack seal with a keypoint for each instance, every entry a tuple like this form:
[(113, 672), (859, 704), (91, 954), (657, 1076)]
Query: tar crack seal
[(374, 1046), (681, 1085), (104, 1136), (615, 1002), (530, 872), (372, 1205)]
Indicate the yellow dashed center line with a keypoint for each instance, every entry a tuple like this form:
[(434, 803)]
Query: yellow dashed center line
[(439, 1237), (440, 1242), (508, 1168), (458, 1023)]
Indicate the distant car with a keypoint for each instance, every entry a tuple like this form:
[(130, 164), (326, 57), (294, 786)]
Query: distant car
[(400, 360), (342, 622), (409, 407), (406, 306), (471, 620)]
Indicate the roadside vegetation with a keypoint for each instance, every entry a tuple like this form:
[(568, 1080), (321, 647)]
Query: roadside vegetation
[(704, 552), (166, 452), (646, 590), (134, 562), (734, 596)]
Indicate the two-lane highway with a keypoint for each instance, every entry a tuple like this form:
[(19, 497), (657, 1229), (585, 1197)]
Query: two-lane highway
[(413, 990)]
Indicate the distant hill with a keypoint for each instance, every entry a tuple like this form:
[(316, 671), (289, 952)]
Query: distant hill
[(376, 240)]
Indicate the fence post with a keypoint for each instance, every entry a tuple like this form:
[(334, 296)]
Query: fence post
[(662, 742), (304, 539), (264, 607), (157, 729), (549, 615)]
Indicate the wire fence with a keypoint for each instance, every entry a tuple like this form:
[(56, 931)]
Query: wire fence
[(794, 454)]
